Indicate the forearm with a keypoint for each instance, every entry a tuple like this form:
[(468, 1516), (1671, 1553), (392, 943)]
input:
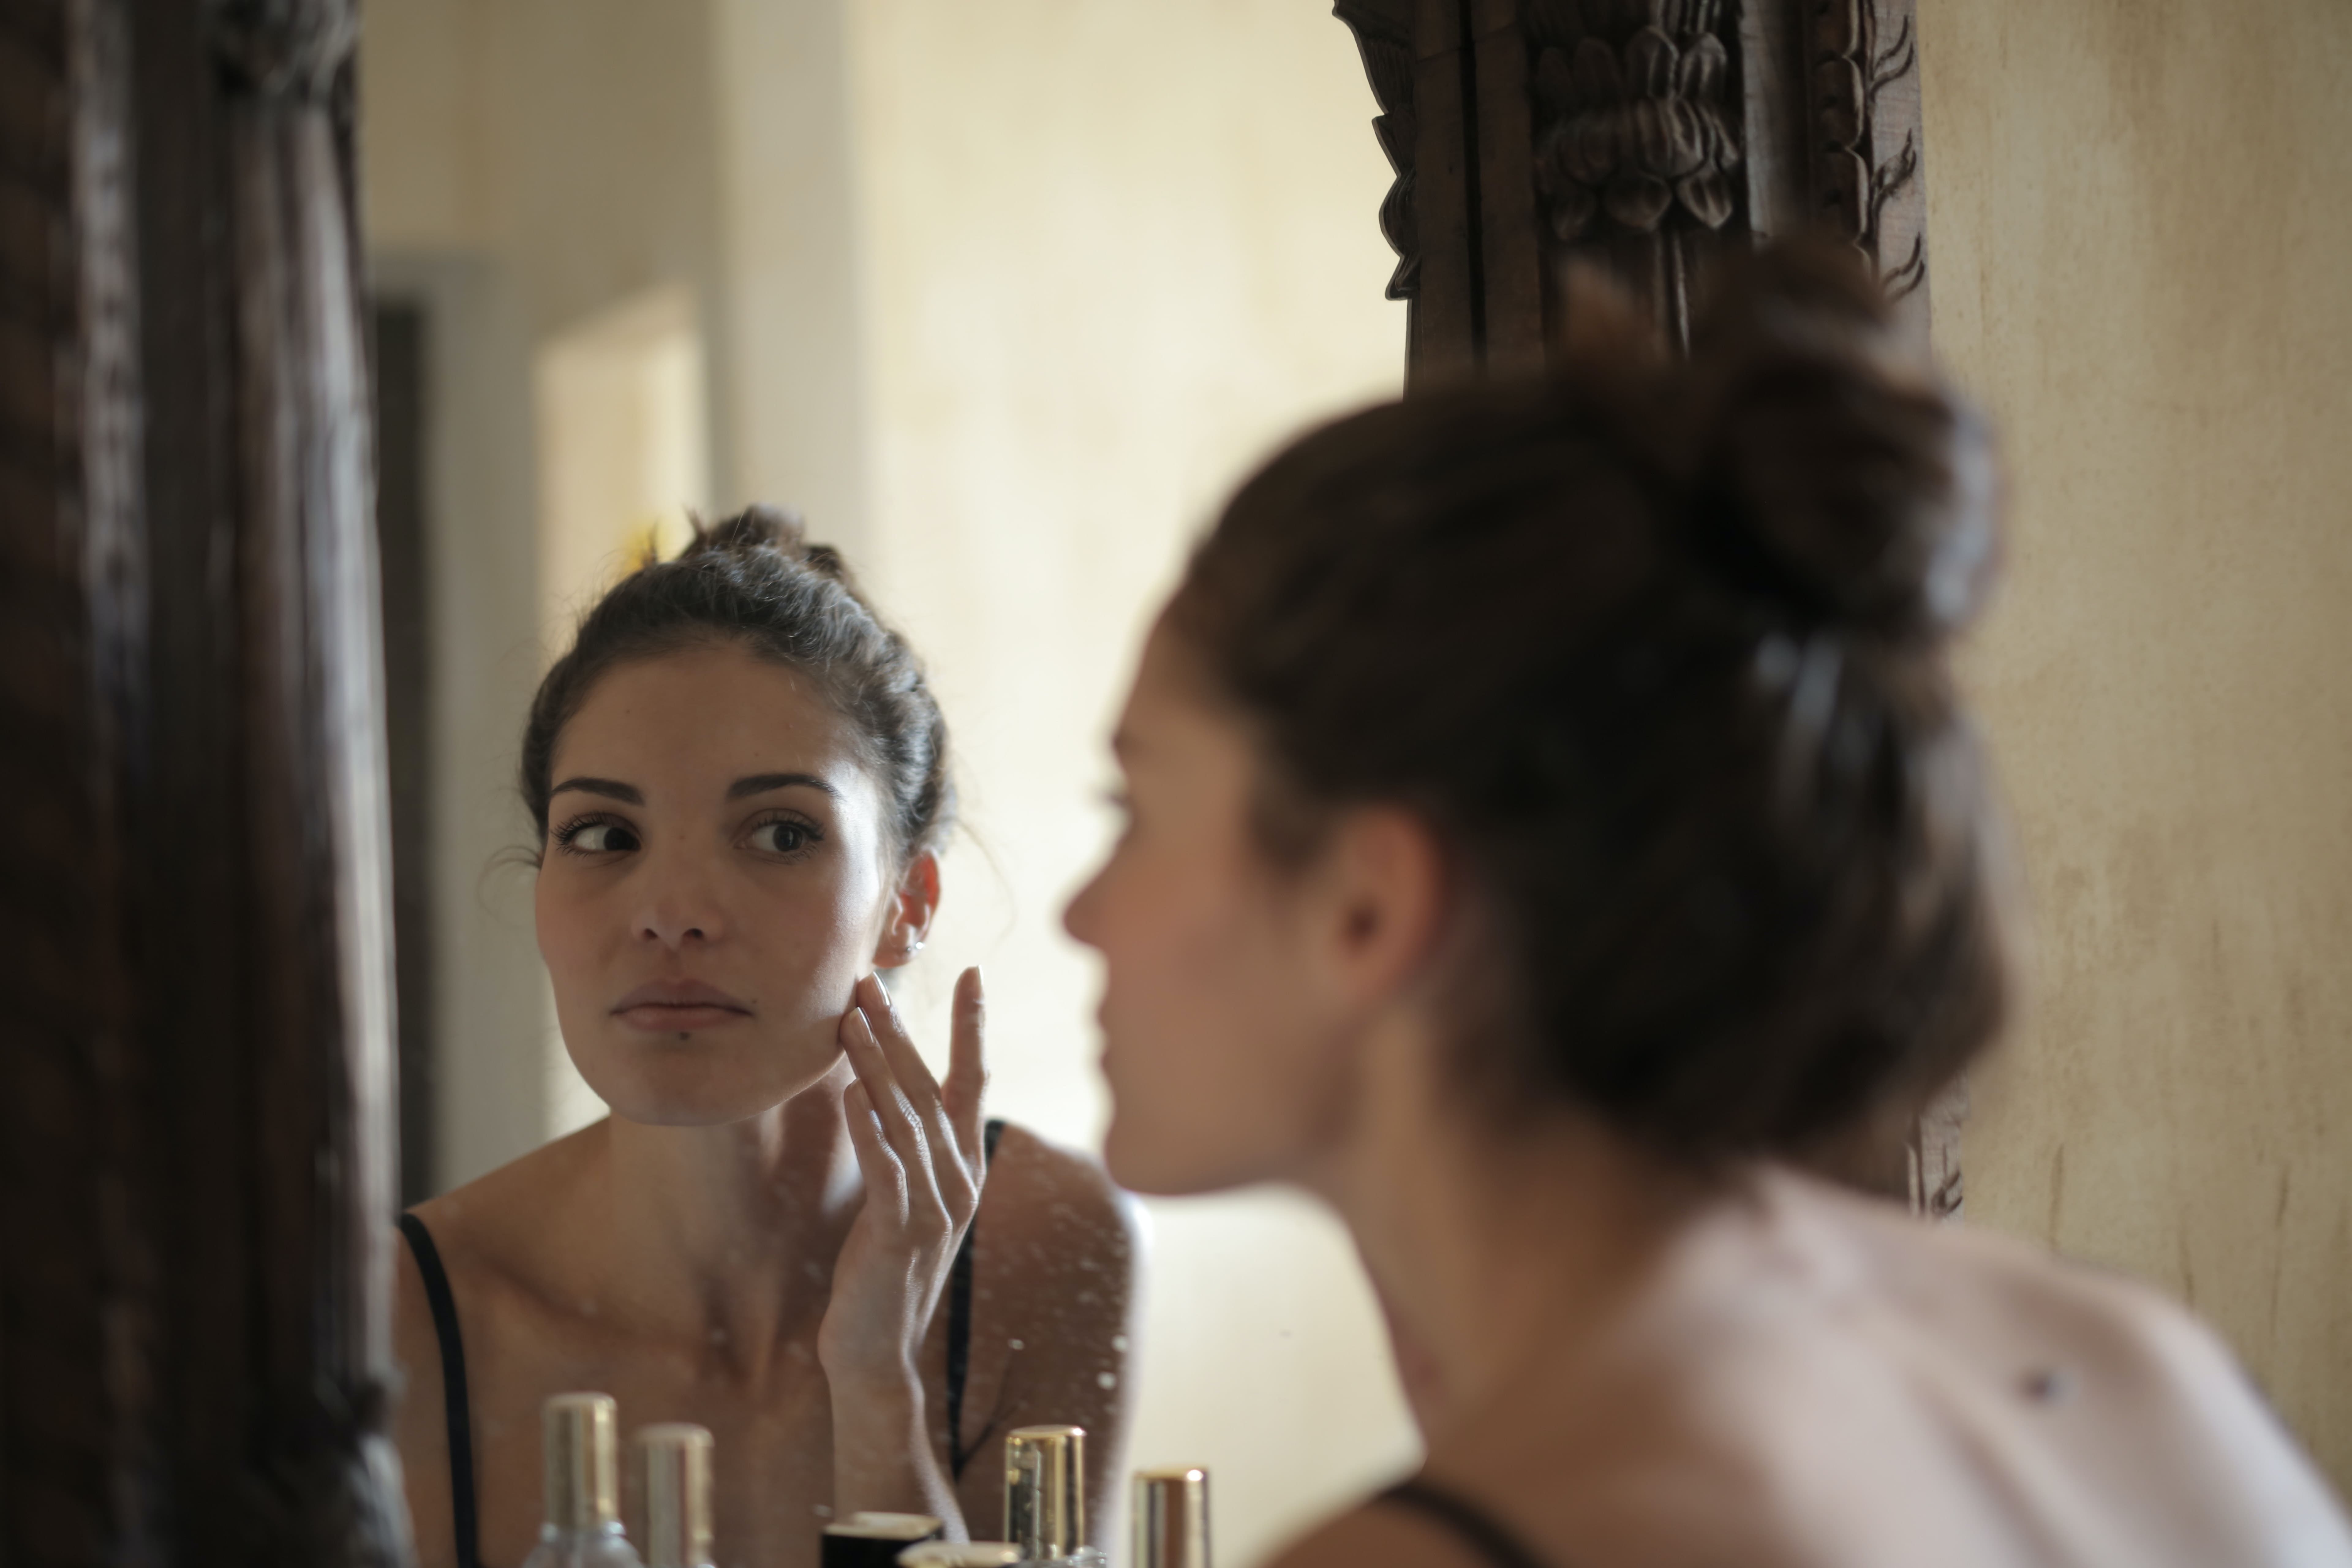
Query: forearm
[(882, 1455)]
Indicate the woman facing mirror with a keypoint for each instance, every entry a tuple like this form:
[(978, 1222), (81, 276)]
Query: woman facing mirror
[(1552, 817), (781, 1232)]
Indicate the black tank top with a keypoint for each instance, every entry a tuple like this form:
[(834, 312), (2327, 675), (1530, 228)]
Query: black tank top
[(464, 1515)]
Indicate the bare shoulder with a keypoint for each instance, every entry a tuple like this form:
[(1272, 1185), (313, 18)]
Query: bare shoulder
[(2120, 1390), (495, 1224), (2060, 1324), (1060, 1208)]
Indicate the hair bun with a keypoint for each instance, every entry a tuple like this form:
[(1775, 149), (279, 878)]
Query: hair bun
[(1864, 489), (778, 529)]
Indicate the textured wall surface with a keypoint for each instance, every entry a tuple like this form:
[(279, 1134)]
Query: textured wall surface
[(1113, 250), (2141, 222)]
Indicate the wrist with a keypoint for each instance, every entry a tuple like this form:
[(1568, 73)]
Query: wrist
[(884, 1402), (882, 1455), (879, 1378)]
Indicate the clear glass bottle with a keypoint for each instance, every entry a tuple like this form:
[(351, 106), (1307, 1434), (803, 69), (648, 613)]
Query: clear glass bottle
[(580, 1468), (673, 1463), (1046, 1496), (1171, 1518)]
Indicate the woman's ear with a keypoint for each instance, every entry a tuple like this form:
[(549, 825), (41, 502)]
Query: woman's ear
[(912, 904), (1384, 896)]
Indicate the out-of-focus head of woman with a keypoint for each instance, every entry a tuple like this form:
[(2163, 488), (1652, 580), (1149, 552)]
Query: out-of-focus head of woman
[(1587, 746)]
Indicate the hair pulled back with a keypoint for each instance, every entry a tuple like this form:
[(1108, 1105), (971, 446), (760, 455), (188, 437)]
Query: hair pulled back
[(1660, 654), (754, 581)]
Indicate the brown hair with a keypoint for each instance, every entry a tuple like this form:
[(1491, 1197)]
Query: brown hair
[(754, 581), (1660, 653)]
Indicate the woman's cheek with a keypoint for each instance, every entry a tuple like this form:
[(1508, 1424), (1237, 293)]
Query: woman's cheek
[(560, 926)]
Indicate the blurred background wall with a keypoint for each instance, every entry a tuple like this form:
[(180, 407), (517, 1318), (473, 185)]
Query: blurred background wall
[(1007, 297), (2140, 220)]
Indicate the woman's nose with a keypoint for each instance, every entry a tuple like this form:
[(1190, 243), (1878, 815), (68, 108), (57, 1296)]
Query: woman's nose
[(1078, 915), (680, 904)]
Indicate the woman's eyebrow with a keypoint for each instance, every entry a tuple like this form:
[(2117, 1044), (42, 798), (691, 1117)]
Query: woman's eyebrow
[(612, 787), (760, 784)]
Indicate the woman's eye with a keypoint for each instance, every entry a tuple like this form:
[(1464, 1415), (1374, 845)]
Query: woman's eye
[(782, 838), (599, 838)]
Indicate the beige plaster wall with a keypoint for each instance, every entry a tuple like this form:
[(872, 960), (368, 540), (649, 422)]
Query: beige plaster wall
[(525, 165), (2141, 222), (1112, 251)]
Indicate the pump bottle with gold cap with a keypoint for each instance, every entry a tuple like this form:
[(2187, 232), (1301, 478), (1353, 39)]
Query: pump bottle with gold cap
[(1046, 1496), (1171, 1518), (580, 1451)]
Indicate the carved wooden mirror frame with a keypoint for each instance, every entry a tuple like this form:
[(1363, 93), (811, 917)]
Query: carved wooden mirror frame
[(1651, 138), (195, 1083)]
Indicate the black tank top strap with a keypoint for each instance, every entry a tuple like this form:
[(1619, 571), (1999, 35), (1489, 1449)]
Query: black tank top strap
[(1486, 1535), (960, 1320), (463, 1514)]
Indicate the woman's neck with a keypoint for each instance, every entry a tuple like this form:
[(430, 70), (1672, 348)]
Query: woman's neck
[(726, 1236), (1499, 1249)]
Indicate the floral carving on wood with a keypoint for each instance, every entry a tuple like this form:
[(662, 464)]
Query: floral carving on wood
[(1637, 124), (1384, 37), (1854, 177)]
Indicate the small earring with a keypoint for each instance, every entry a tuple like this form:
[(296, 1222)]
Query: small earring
[(914, 946)]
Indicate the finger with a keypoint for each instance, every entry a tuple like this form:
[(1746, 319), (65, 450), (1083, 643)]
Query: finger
[(967, 1084), (902, 1129), (900, 1126), (886, 1178), (947, 1147)]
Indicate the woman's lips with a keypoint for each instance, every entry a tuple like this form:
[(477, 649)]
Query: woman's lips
[(671, 1006)]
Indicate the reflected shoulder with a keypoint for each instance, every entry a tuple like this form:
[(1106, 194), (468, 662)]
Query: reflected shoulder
[(1060, 1201), (502, 1217)]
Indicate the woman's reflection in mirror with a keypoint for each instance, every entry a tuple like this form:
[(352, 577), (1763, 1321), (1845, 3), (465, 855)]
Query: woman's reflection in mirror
[(740, 785), (1552, 817)]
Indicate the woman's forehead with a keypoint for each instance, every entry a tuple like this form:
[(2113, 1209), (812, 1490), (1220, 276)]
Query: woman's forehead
[(714, 711)]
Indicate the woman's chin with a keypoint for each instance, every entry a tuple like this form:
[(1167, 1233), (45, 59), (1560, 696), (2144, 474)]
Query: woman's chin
[(1158, 1163), (699, 1082)]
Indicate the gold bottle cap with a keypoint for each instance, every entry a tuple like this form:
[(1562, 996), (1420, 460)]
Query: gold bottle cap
[(675, 1463), (1172, 1519), (959, 1554), (581, 1454), (1045, 1489)]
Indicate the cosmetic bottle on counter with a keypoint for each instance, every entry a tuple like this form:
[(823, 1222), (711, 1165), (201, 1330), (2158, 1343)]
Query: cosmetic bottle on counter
[(959, 1554), (868, 1539), (1046, 1496), (580, 1456), (1172, 1519), (673, 1463)]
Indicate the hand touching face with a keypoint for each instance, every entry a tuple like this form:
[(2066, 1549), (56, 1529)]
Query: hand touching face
[(717, 875)]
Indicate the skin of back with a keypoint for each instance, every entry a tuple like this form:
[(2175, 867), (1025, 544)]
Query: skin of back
[(1945, 1398)]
